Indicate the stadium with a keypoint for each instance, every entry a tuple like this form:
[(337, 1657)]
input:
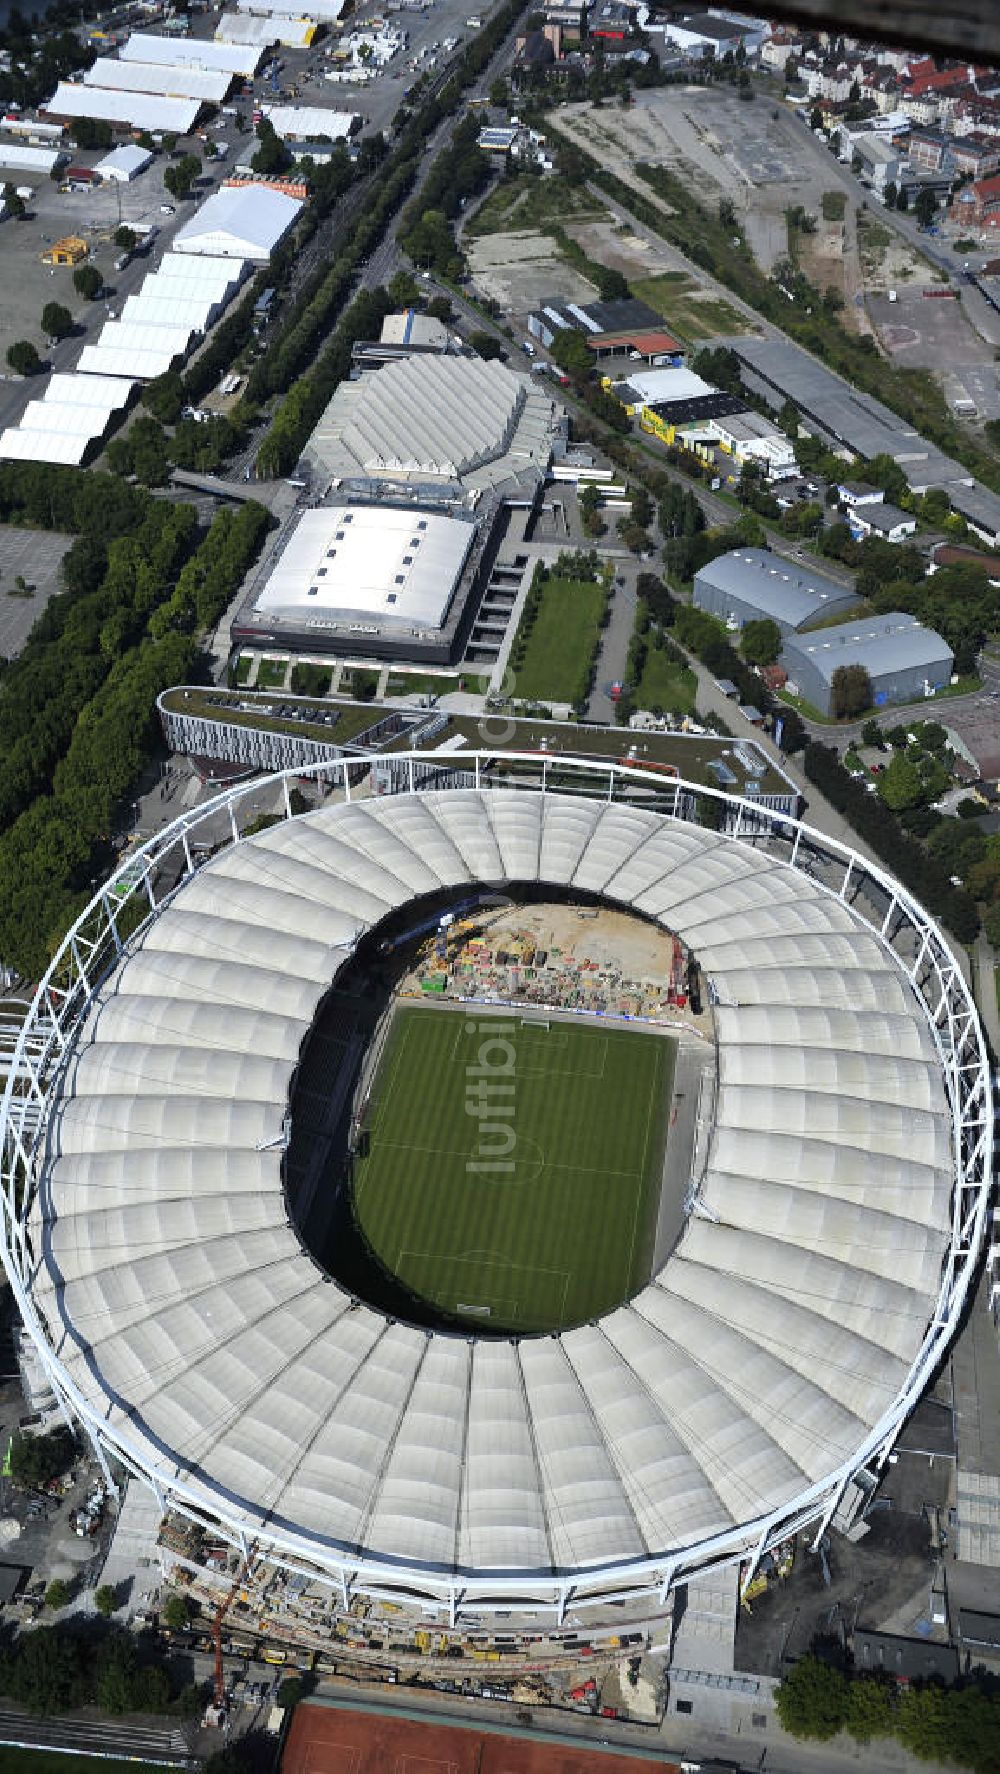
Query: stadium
[(471, 1445)]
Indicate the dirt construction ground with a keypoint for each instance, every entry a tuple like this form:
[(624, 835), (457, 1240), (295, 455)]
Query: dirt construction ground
[(329, 1740)]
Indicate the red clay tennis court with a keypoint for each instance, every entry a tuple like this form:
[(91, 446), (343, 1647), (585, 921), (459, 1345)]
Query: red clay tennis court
[(329, 1740)]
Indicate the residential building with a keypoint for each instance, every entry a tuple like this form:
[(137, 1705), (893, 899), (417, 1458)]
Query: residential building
[(978, 205), (975, 155), (882, 519), (904, 660), (858, 492)]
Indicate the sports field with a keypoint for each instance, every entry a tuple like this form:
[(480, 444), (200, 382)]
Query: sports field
[(511, 1172)]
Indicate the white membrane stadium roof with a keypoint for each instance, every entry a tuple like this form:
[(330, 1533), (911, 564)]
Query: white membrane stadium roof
[(239, 222), (369, 563), (753, 1365), (192, 52), (176, 81), (137, 110)]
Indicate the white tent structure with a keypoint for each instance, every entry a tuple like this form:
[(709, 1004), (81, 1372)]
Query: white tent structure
[(128, 358), (130, 110), (74, 412), (771, 1358), (181, 81), (239, 222), (22, 157), (192, 52), (124, 164), (309, 123), (325, 12), (265, 31)]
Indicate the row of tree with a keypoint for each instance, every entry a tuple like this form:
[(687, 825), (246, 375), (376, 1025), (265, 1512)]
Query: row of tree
[(56, 1669), (959, 1724)]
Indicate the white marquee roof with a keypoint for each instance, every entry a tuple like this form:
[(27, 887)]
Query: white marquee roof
[(191, 52), (368, 563), (116, 360), (754, 1364), (20, 444), (137, 110), (239, 222), (173, 80), (308, 123)]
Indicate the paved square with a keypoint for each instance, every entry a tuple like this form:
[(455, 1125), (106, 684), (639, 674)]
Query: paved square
[(36, 557)]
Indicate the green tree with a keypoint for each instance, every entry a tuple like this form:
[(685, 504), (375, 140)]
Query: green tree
[(760, 642), (47, 1674), (871, 1710), (176, 1613), (57, 321), (14, 206), (88, 282), (290, 1691), (991, 925), (272, 157), (58, 1594), (871, 733), (891, 195), (105, 1600), (812, 1699), (485, 345), (590, 510), (125, 238), (23, 359), (37, 1459), (403, 289), (850, 692), (901, 785), (925, 207), (572, 353), (164, 397), (180, 177)]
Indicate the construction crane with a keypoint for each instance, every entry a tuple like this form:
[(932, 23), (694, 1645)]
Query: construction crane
[(220, 1615)]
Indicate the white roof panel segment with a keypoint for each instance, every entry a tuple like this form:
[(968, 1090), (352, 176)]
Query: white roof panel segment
[(126, 360), (191, 52), (135, 110), (369, 562), (17, 445), (171, 80), (309, 123)]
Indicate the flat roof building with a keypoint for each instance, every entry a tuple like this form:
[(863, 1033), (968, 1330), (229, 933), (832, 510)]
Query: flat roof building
[(751, 584), (307, 123), (905, 1659), (177, 81), (884, 520), (903, 659), (129, 110)]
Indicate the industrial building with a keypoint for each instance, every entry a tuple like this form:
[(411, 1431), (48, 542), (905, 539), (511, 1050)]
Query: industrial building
[(177, 81), (903, 659), (264, 32), (124, 164), (23, 157), (306, 123), (624, 327), (245, 221), (749, 437), (455, 420), (751, 1387), (751, 584)]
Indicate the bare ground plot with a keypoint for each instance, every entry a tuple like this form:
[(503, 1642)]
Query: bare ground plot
[(520, 270), (931, 332), (34, 556), (693, 312), (529, 202)]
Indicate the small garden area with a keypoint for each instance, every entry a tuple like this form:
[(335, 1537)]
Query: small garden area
[(555, 648)]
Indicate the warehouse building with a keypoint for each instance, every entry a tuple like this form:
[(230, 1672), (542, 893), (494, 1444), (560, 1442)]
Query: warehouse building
[(385, 578), (124, 164), (903, 659), (22, 157), (883, 520), (208, 86), (72, 416), (610, 328), (751, 584), (307, 123)]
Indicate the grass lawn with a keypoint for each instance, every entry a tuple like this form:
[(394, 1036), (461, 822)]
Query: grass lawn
[(560, 643), (834, 205), (271, 674), (528, 202), (412, 683), (665, 685), (244, 666), (50, 1761), (675, 296), (564, 1233)]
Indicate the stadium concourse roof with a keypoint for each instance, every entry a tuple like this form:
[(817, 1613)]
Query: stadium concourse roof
[(138, 110), (192, 52), (365, 563), (177, 81), (756, 1362), (239, 222)]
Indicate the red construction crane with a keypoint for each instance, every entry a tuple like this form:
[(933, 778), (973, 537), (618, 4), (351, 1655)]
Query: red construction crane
[(220, 1615)]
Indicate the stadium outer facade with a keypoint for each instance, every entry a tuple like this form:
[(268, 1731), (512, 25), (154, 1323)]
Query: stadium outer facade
[(67, 1199)]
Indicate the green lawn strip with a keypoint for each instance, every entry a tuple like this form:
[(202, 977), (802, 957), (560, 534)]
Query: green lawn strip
[(665, 685), (564, 1235), (50, 1761), (271, 674), (552, 658)]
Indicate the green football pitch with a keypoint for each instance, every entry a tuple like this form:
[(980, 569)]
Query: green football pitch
[(538, 1212)]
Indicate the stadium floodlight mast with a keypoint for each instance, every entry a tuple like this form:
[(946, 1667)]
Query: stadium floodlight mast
[(134, 898)]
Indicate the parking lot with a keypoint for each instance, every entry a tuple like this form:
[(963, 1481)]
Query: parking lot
[(34, 556), (931, 332)]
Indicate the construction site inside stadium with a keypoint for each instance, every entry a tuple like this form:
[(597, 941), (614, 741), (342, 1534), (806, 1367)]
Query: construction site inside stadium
[(496, 1196)]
